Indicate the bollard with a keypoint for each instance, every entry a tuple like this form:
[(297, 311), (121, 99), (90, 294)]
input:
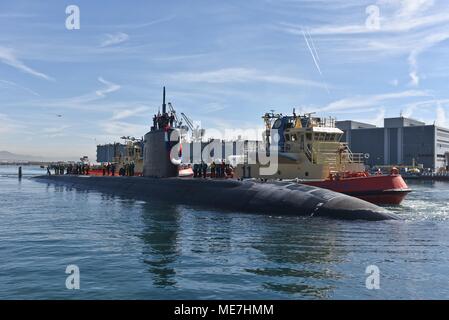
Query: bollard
[(20, 172)]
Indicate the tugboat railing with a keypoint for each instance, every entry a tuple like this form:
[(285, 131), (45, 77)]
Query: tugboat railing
[(357, 157), (353, 157), (308, 153)]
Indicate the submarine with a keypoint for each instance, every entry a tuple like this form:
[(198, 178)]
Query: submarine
[(272, 198), (160, 181)]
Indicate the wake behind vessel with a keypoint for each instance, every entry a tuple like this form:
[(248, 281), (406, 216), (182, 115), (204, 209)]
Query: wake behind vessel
[(160, 181)]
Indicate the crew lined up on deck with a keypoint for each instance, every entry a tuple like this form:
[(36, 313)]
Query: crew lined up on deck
[(60, 169), (161, 121), (126, 170), (217, 170), (108, 169)]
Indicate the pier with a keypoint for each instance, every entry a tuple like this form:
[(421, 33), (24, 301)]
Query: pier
[(438, 176)]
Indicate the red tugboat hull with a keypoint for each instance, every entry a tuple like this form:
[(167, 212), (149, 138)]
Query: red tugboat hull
[(378, 189)]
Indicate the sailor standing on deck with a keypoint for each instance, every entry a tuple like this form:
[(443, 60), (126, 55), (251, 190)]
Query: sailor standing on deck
[(223, 169), (155, 122), (204, 169), (172, 119), (195, 170), (159, 120), (212, 169)]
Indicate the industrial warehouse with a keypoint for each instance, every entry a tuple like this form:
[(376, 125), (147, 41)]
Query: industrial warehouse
[(402, 141)]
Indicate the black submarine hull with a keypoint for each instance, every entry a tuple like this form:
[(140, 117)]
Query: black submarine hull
[(274, 198)]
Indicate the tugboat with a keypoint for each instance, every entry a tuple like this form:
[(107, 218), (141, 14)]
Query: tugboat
[(310, 151)]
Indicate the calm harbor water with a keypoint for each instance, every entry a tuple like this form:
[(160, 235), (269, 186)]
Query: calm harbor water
[(128, 249)]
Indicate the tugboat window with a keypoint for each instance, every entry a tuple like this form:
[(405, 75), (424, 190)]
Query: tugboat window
[(277, 124)]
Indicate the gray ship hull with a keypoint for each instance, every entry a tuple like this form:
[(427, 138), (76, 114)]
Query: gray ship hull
[(278, 198)]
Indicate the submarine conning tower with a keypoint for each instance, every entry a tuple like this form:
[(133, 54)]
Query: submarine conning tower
[(157, 146)]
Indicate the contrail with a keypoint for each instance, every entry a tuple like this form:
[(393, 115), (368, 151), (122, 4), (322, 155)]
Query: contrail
[(313, 45), (315, 56), (311, 52)]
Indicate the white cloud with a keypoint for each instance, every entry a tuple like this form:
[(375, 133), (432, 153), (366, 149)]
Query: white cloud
[(212, 107), (424, 44), (423, 106), (7, 56), (54, 132), (372, 100), (409, 8), (126, 113), (87, 102), (7, 125), (414, 78), (406, 27), (394, 82), (120, 128), (440, 116), (15, 15), (13, 84), (241, 75), (379, 119), (395, 15), (110, 87), (114, 39)]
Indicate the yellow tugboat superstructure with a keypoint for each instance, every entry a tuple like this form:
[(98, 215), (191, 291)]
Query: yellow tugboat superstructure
[(308, 148)]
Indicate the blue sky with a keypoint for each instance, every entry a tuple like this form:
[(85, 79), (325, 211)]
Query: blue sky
[(224, 63)]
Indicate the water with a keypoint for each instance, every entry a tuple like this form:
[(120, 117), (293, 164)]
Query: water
[(128, 249)]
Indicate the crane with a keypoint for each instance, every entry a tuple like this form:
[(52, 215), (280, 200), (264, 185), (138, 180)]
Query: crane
[(197, 132), (172, 110)]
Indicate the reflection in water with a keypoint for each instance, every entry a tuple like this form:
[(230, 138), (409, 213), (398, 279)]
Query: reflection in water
[(210, 235), (160, 236), (305, 251)]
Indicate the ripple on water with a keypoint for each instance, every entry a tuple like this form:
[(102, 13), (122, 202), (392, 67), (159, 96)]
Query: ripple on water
[(150, 250)]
